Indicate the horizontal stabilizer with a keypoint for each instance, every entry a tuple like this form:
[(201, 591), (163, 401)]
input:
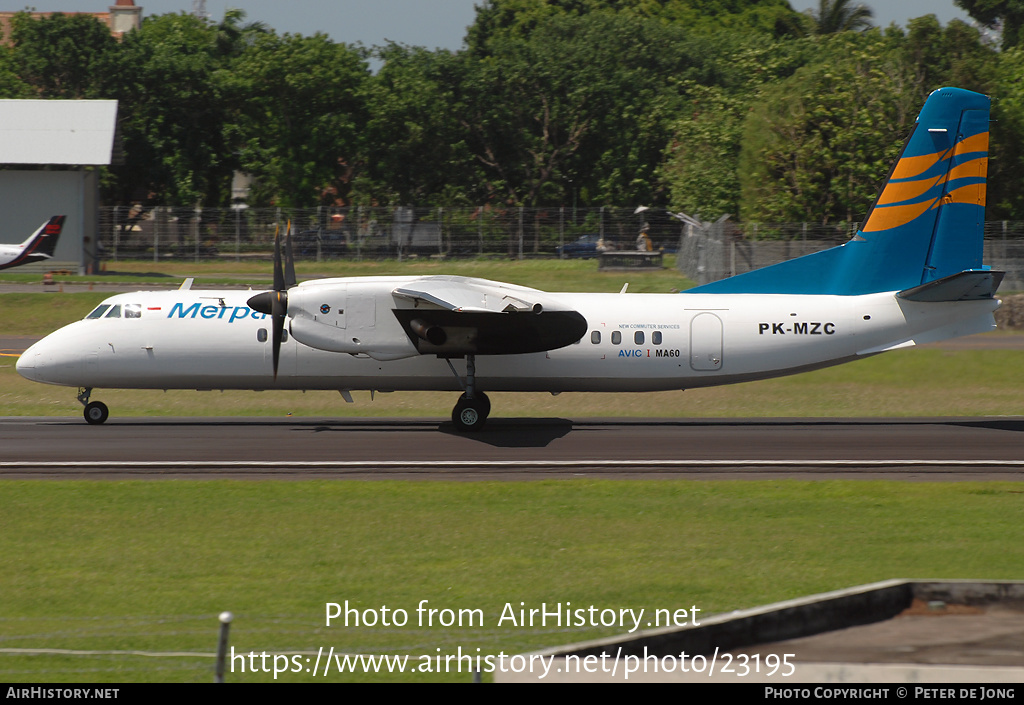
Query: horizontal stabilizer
[(971, 285)]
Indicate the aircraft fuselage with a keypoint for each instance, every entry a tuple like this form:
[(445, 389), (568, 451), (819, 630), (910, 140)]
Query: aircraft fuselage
[(194, 339)]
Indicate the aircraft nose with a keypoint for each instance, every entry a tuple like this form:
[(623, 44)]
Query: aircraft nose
[(46, 362), (26, 365)]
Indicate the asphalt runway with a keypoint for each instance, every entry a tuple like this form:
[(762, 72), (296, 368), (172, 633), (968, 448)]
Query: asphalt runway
[(938, 449)]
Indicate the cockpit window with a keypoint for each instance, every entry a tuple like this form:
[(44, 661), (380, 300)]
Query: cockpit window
[(115, 311), (133, 311), (98, 311)]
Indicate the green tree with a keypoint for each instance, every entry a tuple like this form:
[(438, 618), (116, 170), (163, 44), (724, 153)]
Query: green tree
[(582, 104), (415, 147), (1006, 149), (302, 110), (233, 37), (11, 85), (1007, 14), (519, 18), (766, 17), (840, 16), (816, 145), (946, 56), (701, 165), (62, 56), (168, 78)]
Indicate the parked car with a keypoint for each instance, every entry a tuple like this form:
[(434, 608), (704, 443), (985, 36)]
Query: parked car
[(584, 247), (332, 243)]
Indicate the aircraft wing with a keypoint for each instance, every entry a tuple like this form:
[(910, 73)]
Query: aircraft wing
[(460, 315), (472, 295)]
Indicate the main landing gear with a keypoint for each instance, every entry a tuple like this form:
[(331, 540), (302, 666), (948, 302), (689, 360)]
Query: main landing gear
[(471, 411), (471, 414), (96, 412)]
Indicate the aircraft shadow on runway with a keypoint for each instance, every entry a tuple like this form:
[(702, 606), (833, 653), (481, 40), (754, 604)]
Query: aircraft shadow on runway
[(499, 433), (993, 424), (514, 433)]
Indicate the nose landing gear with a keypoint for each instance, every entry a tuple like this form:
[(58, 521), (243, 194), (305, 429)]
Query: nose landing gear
[(95, 412)]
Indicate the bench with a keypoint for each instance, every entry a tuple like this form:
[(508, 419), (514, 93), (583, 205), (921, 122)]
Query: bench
[(627, 259)]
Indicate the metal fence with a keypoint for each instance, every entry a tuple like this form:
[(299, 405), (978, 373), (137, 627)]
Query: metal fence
[(705, 251), (370, 233), (713, 251)]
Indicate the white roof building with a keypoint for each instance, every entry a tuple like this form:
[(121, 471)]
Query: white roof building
[(74, 134), (71, 132)]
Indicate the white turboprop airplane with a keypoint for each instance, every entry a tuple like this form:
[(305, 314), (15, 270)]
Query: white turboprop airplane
[(39, 246), (912, 274)]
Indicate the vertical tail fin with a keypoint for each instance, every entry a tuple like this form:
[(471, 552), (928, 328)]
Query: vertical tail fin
[(48, 235), (40, 245), (926, 224), (930, 214)]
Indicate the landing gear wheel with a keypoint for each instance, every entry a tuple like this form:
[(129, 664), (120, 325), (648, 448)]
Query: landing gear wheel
[(482, 401), (96, 412), (471, 414)]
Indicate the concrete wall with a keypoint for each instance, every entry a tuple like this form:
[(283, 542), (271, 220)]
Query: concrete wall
[(29, 198), (968, 641)]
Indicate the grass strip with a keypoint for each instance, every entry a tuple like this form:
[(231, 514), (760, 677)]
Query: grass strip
[(141, 565)]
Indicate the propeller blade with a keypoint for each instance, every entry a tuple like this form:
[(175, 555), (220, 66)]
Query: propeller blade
[(289, 260), (279, 308), (278, 268), (275, 303)]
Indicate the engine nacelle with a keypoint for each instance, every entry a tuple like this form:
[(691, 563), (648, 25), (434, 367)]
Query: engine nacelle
[(378, 344), (344, 318)]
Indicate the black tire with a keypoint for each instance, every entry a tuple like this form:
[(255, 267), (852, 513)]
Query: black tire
[(469, 416), (482, 400), (96, 412)]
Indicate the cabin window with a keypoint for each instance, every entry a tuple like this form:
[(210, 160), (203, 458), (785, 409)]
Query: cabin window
[(99, 311), (617, 337), (115, 311), (595, 337), (261, 335), (656, 337), (638, 337), (133, 311)]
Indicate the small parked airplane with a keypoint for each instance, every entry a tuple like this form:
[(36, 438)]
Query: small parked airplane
[(912, 274), (39, 246)]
